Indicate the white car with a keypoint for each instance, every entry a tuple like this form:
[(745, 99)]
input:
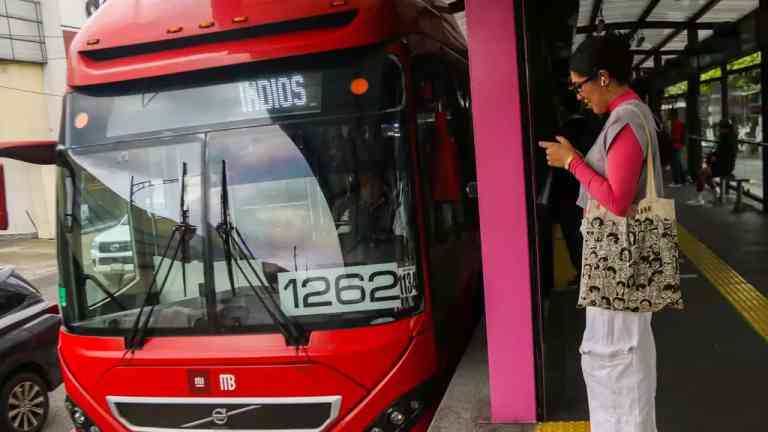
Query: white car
[(112, 251)]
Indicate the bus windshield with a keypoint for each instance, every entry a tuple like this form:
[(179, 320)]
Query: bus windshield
[(322, 205)]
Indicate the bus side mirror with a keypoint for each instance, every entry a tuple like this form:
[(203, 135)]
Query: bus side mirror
[(41, 152)]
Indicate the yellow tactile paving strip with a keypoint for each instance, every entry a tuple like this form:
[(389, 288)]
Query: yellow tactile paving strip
[(751, 303), (575, 426)]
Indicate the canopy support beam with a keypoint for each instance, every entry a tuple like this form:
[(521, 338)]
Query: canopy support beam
[(651, 25), (691, 24), (643, 17)]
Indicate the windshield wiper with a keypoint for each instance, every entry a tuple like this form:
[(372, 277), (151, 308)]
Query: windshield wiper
[(234, 241), (103, 289), (184, 231)]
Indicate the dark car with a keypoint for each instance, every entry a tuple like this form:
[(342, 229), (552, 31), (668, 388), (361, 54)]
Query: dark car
[(29, 369)]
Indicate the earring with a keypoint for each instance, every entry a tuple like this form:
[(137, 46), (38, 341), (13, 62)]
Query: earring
[(603, 82)]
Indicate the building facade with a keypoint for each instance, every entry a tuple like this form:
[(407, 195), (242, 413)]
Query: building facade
[(33, 71)]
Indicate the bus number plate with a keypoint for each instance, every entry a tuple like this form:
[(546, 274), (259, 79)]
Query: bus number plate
[(346, 289)]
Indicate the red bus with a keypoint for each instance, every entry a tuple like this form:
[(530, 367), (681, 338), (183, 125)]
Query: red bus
[(263, 216)]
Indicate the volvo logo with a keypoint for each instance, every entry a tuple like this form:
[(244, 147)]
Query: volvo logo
[(220, 416)]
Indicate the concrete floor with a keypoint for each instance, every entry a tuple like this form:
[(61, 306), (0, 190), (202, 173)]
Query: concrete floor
[(709, 346), (466, 404), (36, 261)]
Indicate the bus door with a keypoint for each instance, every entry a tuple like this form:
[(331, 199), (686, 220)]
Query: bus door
[(447, 168), (548, 107)]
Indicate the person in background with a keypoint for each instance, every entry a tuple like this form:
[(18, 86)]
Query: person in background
[(580, 128), (719, 163), (677, 135)]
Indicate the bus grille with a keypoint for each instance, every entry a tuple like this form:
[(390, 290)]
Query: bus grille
[(149, 414)]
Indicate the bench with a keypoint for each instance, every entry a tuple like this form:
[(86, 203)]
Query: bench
[(739, 191), (725, 184)]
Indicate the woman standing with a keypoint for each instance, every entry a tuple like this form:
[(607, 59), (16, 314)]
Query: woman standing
[(618, 352)]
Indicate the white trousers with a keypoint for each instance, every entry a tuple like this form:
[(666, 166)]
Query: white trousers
[(618, 359)]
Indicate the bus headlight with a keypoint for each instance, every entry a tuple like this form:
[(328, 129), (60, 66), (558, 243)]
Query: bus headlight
[(404, 412), (396, 417), (79, 418)]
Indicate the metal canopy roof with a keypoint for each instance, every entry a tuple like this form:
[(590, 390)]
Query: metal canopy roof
[(659, 26)]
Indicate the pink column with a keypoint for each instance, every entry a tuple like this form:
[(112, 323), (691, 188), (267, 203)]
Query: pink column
[(503, 218)]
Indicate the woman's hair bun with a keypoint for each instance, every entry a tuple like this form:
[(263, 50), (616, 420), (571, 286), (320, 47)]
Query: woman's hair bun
[(610, 52), (622, 40)]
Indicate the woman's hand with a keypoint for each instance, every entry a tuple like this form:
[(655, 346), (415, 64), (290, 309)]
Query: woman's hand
[(558, 153)]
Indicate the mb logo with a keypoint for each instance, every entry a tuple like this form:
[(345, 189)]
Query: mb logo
[(227, 382)]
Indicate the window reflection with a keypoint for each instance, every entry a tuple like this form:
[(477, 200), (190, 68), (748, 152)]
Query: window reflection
[(308, 197), (313, 200), (710, 111), (745, 110), (128, 204)]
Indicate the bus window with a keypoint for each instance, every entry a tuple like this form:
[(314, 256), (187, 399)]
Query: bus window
[(318, 185), (128, 203), (316, 201), (437, 125)]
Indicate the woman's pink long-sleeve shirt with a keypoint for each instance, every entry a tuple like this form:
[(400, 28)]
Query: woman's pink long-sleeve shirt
[(617, 190)]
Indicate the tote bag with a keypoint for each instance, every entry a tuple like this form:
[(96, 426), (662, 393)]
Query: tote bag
[(631, 263)]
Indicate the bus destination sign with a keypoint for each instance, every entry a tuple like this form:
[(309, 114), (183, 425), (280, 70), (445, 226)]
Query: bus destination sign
[(158, 109), (282, 94)]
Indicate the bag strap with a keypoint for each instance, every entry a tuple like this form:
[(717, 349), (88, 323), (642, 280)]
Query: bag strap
[(650, 182)]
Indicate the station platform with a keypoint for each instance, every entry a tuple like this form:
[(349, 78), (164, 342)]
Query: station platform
[(712, 356)]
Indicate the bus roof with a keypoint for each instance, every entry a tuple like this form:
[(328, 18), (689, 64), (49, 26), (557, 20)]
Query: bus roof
[(133, 39)]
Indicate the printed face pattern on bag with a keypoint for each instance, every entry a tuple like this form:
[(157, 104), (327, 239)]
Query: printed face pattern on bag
[(630, 264)]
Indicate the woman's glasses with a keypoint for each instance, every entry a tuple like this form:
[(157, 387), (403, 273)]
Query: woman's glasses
[(576, 87)]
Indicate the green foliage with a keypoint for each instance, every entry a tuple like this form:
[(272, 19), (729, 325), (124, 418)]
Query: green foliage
[(746, 61), (744, 83), (705, 89), (676, 89), (711, 74)]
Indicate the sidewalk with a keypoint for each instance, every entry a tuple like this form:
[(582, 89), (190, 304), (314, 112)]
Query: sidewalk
[(466, 403), (35, 260)]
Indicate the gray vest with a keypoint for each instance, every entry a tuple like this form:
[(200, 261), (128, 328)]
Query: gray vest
[(598, 154)]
